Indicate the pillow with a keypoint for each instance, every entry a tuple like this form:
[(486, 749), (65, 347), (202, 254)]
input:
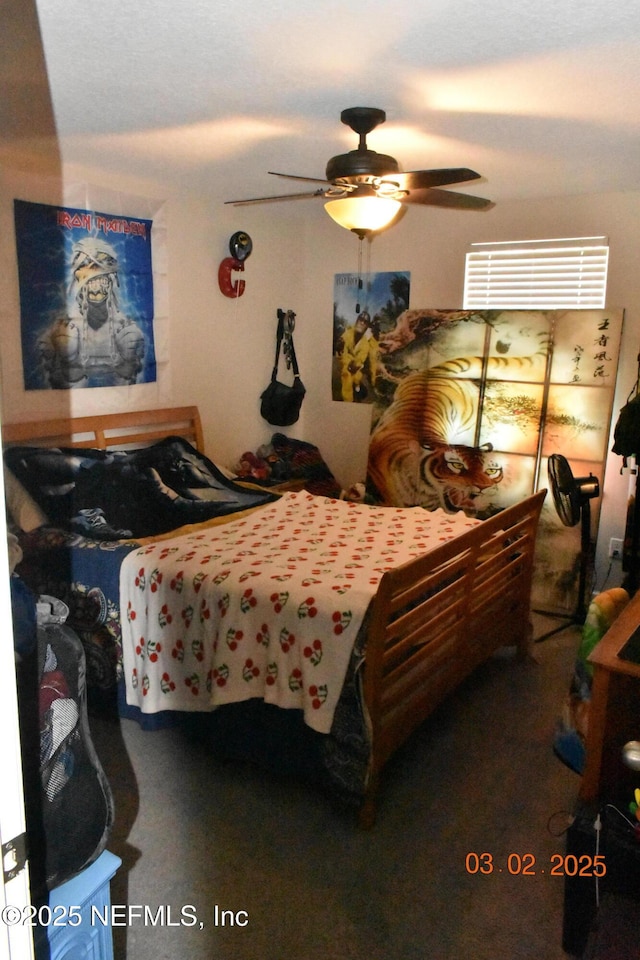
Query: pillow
[(23, 510)]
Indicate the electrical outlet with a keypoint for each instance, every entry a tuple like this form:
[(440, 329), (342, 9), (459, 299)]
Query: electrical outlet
[(615, 548)]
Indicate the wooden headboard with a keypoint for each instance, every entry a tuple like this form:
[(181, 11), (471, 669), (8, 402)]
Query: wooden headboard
[(110, 430)]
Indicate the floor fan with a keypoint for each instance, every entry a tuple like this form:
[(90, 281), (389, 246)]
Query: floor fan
[(571, 497)]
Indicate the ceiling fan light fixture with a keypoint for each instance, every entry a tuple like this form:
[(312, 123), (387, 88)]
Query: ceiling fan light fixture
[(363, 215)]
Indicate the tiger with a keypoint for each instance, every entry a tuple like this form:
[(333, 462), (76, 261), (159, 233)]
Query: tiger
[(456, 477), (421, 449)]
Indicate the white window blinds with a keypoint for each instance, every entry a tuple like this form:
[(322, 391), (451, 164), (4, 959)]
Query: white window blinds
[(537, 274)]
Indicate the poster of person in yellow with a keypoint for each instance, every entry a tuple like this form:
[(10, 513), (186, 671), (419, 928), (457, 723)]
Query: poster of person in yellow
[(358, 353), (363, 309)]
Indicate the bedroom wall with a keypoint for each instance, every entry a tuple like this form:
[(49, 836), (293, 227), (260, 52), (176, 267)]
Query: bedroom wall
[(219, 351)]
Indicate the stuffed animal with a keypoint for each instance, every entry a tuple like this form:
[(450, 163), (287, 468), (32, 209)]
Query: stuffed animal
[(602, 611), (571, 728), (252, 466)]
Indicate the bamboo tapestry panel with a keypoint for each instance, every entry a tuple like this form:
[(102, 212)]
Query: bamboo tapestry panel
[(469, 405)]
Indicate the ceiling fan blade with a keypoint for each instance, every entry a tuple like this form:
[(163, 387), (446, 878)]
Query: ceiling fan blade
[(292, 176), (285, 196), (447, 198), (365, 172), (420, 179)]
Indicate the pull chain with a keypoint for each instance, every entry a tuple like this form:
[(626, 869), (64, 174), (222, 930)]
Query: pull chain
[(359, 272), (368, 270)]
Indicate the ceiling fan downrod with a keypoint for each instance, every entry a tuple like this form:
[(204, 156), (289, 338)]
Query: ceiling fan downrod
[(361, 162)]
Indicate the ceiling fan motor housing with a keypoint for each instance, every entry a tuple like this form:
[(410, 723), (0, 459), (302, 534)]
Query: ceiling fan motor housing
[(361, 163)]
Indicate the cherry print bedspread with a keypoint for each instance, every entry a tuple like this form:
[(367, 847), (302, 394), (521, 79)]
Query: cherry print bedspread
[(266, 606)]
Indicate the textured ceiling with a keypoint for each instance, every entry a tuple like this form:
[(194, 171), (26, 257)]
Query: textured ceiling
[(542, 99)]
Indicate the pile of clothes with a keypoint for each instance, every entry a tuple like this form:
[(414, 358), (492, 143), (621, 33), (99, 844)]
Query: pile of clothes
[(284, 460)]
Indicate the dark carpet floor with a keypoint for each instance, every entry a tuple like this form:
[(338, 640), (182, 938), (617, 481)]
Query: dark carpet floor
[(295, 876)]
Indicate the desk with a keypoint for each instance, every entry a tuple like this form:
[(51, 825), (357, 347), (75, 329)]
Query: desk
[(614, 714), (614, 718)]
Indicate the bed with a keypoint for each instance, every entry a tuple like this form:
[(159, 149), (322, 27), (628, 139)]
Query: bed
[(388, 609)]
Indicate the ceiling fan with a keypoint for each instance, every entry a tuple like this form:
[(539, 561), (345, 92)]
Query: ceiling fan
[(365, 173)]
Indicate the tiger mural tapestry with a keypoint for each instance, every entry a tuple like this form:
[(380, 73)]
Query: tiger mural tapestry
[(421, 450)]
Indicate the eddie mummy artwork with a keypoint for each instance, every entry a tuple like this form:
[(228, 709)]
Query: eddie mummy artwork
[(86, 297)]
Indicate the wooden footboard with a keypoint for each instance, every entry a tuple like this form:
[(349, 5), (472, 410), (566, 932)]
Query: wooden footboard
[(435, 619)]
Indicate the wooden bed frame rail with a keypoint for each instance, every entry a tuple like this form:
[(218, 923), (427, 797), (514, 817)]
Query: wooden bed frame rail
[(109, 431), (436, 618)]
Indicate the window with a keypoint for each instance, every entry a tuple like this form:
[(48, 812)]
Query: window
[(537, 274)]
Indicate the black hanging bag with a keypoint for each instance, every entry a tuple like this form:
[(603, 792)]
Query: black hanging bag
[(626, 434), (281, 402)]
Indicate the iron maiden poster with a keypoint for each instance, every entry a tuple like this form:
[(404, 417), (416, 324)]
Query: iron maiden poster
[(86, 297)]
